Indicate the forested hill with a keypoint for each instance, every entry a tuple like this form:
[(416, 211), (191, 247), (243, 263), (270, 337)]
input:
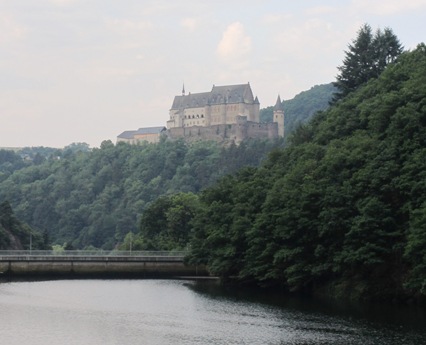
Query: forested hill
[(302, 107), (342, 209), (94, 198)]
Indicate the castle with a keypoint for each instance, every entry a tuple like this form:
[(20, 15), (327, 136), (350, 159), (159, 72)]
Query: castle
[(226, 113)]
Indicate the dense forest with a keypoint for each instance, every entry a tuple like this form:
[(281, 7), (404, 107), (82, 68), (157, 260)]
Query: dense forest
[(342, 209), (85, 198)]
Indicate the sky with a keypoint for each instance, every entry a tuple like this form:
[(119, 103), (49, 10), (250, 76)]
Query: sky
[(86, 70)]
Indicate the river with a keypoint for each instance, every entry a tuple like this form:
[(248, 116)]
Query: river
[(130, 312)]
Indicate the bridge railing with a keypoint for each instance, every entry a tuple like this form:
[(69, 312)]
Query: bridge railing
[(93, 253)]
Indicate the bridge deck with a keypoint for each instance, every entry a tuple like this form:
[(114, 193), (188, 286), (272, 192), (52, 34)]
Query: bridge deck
[(99, 256), (95, 263)]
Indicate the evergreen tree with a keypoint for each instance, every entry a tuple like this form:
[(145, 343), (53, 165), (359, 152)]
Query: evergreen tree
[(387, 49), (366, 58)]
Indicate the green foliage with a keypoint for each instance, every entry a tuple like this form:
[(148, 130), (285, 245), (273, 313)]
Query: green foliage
[(415, 250), (366, 58), (132, 242), (9, 162), (17, 235), (302, 107), (166, 222), (95, 197), (306, 104), (341, 207)]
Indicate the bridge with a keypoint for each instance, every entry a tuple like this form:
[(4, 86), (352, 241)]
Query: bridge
[(97, 263)]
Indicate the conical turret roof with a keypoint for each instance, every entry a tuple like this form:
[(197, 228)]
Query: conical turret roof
[(278, 105)]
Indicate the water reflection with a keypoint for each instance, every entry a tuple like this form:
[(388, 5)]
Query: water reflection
[(329, 322), (177, 312)]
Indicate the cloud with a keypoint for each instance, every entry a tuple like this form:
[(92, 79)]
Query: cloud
[(235, 44), (189, 23), (10, 30), (388, 7)]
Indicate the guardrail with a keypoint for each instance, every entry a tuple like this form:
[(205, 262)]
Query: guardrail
[(94, 253)]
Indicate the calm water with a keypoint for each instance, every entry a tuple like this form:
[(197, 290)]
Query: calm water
[(177, 312)]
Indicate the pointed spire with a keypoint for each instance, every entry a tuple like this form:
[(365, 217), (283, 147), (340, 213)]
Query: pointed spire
[(183, 89), (256, 100), (278, 105)]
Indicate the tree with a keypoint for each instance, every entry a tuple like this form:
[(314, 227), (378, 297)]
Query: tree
[(387, 49), (366, 58), (166, 222)]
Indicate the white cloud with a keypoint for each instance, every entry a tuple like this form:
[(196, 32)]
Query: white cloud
[(189, 23), (388, 7), (10, 30), (235, 44)]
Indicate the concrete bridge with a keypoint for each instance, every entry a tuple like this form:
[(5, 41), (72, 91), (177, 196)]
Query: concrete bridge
[(108, 264)]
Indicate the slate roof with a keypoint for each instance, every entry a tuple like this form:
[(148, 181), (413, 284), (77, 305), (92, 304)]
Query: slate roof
[(218, 95), (150, 130), (127, 135), (278, 105), (146, 130)]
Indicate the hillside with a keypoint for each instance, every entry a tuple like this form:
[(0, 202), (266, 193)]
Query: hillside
[(16, 235), (342, 210), (94, 198), (302, 107)]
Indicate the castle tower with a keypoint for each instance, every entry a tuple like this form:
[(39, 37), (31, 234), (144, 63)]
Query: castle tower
[(279, 116), (256, 109)]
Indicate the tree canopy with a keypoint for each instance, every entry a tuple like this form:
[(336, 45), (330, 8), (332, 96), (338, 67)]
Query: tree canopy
[(302, 107), (17, 235), (95, 198), (366, 58), (341, 209)]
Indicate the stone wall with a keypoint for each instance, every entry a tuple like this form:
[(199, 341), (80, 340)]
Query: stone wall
[(237, 132)]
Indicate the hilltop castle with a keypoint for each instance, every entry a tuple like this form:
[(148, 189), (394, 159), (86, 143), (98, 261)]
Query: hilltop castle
[(226, 113)]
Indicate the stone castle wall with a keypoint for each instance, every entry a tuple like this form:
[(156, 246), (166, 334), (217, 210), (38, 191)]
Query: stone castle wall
[(237, 132)]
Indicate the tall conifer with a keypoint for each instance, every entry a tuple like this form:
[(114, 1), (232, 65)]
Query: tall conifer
[(366, 58)]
